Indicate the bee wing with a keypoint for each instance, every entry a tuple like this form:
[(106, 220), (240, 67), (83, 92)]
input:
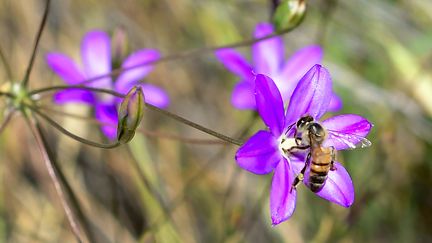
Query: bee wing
[(346, 140)]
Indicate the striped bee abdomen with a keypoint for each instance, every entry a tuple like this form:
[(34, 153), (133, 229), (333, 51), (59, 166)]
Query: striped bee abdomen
[(319, 168)]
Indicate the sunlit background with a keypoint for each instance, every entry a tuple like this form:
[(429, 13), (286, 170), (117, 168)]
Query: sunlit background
[(159, 189)]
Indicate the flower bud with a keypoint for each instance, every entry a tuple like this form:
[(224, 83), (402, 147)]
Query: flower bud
[(289, 14), (130, 113)]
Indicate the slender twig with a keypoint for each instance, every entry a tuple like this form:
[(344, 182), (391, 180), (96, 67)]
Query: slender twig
[(53, 175), (195, 125), (6, 65), (149, 106), (69, 191), (10, 95), (187, 54), (79, 87), (36, 44), (6, 120), (71, 135), (147, 133)]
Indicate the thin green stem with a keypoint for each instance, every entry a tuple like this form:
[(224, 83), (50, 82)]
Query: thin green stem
[(151, 107), (36, 44), (54, 177), (6, 65), (195, 125), (6, 120), (79, 87), (10, 95), (188, 54), (71, 135), (145, 132)]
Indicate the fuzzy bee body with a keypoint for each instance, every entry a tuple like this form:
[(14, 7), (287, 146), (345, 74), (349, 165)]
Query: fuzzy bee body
[(320, 165), (320, 159)]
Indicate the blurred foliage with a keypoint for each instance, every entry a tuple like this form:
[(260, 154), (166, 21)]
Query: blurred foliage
[(160, 190)]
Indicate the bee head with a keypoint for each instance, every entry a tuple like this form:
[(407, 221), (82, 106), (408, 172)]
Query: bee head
[(317, 132), (303, 122)]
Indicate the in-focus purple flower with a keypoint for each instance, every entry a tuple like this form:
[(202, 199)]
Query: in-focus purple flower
[(268, 59), (96, 61), (264, 151)]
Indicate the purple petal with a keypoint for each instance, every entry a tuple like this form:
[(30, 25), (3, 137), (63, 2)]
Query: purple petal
[(128, 78), (338, 187), (243, 97), (311, 96), (269, 103), (107, 114), (155, 95), (345, 131), (267, 54), (296, 66), (259, 154), (75, 96), (65, 67), (297, 162), (236, 63), (96, 57), (335, 103), (282, 198)]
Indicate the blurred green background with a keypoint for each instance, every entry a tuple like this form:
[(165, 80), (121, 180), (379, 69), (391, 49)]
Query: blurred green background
[(166, 190)]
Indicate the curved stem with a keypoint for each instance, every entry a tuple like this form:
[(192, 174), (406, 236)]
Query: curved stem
[(6, 120), (36, 44), (148, 133), (187, 54), (10, 95), (6, 65), (54, 178), (71, 135), (79, 86), (151, 107), (195, 125)]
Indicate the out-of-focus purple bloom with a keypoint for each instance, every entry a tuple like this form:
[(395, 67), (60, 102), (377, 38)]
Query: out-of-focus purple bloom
[(268, 59), (263, 152), (96, 61)]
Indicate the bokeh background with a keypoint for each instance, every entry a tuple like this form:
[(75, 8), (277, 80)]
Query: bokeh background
[(160, 189)]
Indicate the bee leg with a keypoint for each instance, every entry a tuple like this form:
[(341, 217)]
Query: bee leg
[(333, 155), (300, 177), (300, 147)]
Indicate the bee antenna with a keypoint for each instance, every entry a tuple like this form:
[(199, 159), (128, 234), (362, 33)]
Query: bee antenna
[(289, 128)]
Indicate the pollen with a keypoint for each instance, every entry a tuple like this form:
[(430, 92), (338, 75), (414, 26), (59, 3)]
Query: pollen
[(286, 144)]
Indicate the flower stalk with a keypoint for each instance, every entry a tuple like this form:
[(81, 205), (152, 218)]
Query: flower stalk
[(149, 106), (26, 78), (71, 135), (53, 173)]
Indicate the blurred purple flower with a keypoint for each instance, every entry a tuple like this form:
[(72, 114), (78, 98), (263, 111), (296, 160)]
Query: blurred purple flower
[(268, 59), (96, 60), (263, 153)]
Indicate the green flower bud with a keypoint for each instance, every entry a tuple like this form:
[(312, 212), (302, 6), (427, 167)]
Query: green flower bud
[(289, 14), (130, 113)]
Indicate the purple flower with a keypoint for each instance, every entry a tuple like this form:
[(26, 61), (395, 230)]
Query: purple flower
[(96, 61), (263, 152), (268, 59)]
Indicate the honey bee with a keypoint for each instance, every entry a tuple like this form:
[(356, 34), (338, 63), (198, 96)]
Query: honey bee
[(320, 159)]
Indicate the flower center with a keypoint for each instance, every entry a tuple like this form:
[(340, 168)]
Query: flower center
[(285, 144)]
